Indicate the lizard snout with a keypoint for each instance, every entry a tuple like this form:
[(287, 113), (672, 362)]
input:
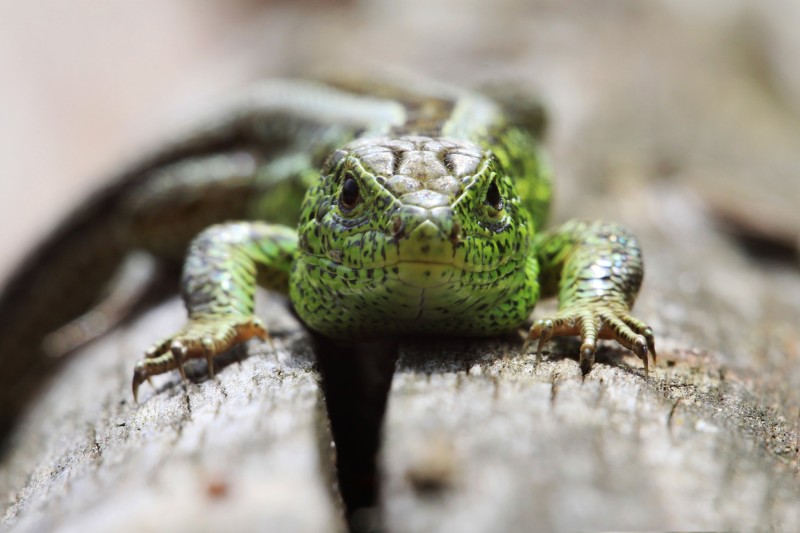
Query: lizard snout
[(425, 235), (407, 219)]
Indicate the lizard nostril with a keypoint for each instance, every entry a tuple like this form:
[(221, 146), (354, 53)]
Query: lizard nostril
[(455, 233), (397, 227)]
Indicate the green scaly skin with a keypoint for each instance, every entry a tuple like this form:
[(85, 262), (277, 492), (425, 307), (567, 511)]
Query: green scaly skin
[(429, 224), (441, 230)]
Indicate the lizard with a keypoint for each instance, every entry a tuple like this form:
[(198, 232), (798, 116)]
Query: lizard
[(380, 209)]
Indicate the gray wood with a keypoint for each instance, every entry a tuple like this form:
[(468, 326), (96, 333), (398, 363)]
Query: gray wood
[(478, 438), (249, 451), (655, 110)]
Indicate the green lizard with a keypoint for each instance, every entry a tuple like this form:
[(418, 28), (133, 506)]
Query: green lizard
[(380, 210)]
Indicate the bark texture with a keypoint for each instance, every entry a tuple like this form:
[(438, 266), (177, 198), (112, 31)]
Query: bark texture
[(478, 438), (679, 120), (248, 451)]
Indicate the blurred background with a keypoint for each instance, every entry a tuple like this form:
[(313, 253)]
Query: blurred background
[(676, 117)]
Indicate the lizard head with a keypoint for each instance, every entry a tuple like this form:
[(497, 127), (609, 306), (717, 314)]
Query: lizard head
[(421, 210)]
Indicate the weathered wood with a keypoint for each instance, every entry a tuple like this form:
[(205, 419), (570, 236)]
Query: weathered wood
[(478, 438), (249, 451), (655, 109)]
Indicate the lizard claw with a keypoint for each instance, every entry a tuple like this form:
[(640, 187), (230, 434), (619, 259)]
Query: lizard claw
[(201, 338), (587, 358), (179, 351), (542, 330), (640, 349), (592, 322), (139, 375), (647, 332), (208, 353)]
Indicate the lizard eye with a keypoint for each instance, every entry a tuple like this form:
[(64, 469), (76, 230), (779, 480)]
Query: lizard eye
[(350, 194), (493, 198)]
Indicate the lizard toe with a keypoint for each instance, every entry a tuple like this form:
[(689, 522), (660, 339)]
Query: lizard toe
[(179, 351), (587, 357), (591, 322), (542, 330), (202, 338)]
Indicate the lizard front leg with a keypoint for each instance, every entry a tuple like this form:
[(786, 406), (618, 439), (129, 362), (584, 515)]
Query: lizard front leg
[(218, 287), (596, 269)]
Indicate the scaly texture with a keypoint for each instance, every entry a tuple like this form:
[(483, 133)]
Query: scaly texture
[(596, 269), (431, 227), (427, 216), (218, 281)]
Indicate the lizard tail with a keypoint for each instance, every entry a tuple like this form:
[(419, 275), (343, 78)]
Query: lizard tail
[(59, 280)]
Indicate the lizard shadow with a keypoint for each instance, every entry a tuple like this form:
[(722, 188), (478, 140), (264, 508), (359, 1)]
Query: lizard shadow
[(357, 381)]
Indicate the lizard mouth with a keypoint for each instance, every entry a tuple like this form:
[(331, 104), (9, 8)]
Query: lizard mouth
[(423, 262), (426, 244)]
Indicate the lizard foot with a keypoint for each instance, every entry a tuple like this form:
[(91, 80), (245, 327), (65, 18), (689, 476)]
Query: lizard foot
[(203, 337), (592, 322)]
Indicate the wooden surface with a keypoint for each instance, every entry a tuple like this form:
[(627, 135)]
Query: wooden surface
[(478, 438), (678, 120), (249, 451)]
